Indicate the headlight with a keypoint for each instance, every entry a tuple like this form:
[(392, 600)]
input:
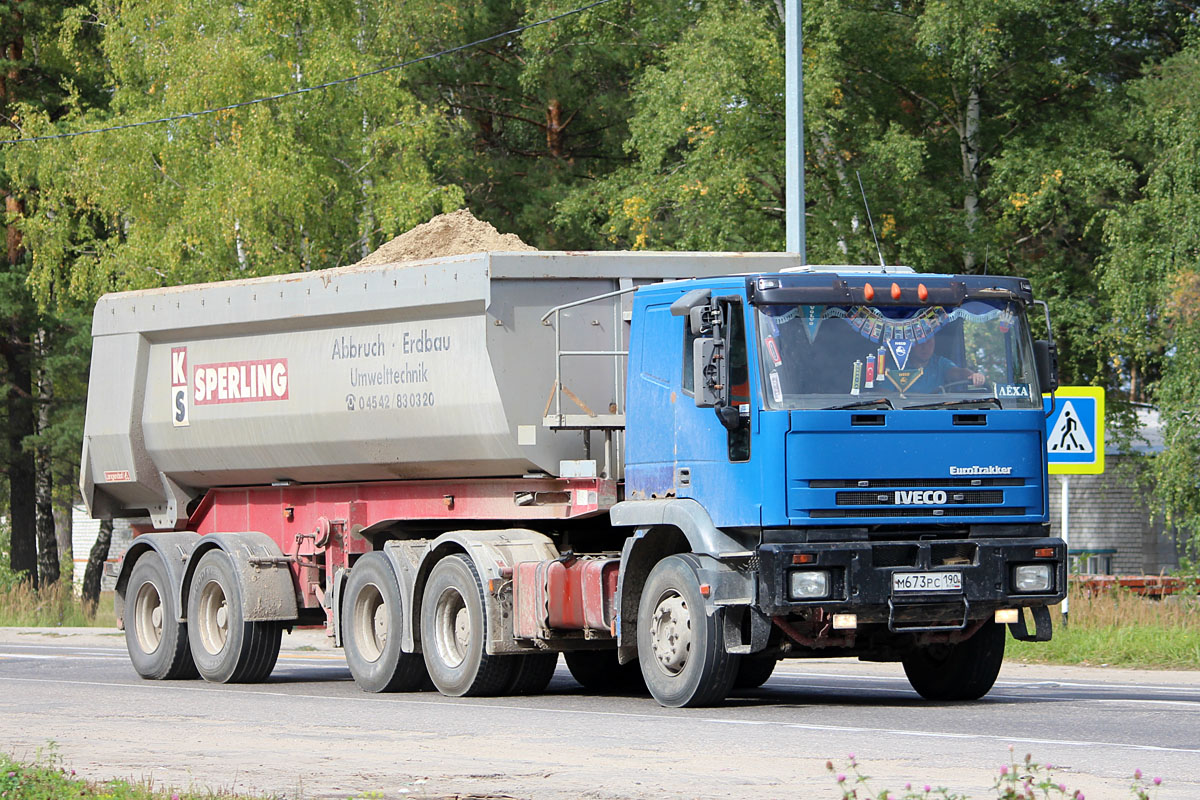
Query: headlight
[(809, 584), (1033, 578)]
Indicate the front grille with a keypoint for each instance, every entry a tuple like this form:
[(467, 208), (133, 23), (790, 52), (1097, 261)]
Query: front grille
[(927, 512), (888, 499), (914, 483), (895, 555)]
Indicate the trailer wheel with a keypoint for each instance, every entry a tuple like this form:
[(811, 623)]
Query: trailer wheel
[(453, 633), (963, 671), (754, 672), (680, 648), (156, 640), (225, 647), (599, 671), (374, 622), (532, 673)]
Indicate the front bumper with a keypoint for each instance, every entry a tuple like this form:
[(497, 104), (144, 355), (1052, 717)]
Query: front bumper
[(861, 580)]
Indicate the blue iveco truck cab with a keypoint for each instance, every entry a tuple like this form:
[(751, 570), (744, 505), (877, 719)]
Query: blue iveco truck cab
[(856, 459)]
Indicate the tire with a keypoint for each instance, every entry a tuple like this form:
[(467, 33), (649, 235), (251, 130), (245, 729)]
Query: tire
[(680, 648), (599, 671), (532, 673), (453, 633), (753, 672), (373, 620), (157, 642), (225, 647), (963, 671)]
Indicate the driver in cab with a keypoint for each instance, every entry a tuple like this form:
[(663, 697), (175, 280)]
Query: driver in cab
[(938, 371)]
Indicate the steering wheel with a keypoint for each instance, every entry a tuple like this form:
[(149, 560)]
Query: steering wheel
[(965, 386)]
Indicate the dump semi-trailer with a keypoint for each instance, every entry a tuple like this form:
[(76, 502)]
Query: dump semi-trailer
[(677, 468)]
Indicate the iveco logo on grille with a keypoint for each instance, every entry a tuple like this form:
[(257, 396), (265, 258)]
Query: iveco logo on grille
[(916, 498)]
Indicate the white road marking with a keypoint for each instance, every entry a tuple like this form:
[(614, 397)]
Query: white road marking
[(665, 717), (1005, 684)]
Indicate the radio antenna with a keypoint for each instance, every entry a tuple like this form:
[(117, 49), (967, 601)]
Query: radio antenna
[(870, 223)]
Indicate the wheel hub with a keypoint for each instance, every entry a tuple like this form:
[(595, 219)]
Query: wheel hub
[(148, 624), (671, 637), (213, 618), (452, 629)]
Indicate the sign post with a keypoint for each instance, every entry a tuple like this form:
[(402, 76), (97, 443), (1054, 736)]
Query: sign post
[(1074, 445)]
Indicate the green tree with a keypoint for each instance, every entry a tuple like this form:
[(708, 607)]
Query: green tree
[(1151, 272), (306, 182), (43, 67)]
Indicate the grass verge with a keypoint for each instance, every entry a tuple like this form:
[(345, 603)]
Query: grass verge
[(1120, 629), (45, 779), (54, 606)]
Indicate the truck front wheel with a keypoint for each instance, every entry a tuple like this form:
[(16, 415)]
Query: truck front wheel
[(680, 648), (156, 640), (225, 647), (453, 633), (600, 671), (373, 626), (963, 671)]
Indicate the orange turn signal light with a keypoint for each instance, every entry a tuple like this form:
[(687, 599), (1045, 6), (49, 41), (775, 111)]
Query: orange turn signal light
[(868, 292), (922, 292), (804, 558), (895, 291), (1044, 552)]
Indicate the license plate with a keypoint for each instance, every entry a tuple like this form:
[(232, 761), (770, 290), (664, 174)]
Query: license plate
[(926, 581)]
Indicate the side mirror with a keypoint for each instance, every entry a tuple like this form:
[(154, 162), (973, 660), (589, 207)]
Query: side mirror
[(1045, 355), (709, 377)]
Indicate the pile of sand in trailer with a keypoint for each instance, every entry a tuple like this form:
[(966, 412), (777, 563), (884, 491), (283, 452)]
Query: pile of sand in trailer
[(453, 234)]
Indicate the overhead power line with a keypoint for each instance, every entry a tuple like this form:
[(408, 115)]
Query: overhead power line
[(318, 87)]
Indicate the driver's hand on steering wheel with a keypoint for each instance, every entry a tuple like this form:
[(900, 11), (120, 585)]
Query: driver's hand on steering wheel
[(978, 379)]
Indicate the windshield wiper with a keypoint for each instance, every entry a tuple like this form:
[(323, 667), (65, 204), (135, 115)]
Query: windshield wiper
[(874, 401), (971, 401)]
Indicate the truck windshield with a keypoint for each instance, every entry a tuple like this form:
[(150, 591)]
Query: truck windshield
[(976, 354)]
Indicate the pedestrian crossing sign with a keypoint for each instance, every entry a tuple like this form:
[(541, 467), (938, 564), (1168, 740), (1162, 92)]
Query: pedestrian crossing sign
[(1075, 430)]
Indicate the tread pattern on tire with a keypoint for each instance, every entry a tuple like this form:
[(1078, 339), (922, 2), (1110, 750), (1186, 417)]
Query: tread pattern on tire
[(259, 641), (408, 673), (178, 662), (532, 673), (716, 678), (966, 672), (494, 672)]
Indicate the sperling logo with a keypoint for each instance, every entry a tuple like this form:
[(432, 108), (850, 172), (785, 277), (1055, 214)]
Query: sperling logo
[(989, 470), (918, 498), (241, 381)]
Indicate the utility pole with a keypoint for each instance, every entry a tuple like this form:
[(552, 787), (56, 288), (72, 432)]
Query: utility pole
[(794, 143)]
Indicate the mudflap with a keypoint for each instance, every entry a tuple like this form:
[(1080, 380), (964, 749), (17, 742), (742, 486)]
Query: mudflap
[(1043, 629)]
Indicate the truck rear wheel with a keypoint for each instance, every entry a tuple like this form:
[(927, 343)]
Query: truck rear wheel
[(374, 623), (453, 633), (225, 647), (754, 672), (532, 673), (599, 671), (156, 640), (680, 648), (963, 671)]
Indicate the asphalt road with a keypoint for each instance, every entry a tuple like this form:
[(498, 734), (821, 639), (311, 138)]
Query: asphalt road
[(310, 733)]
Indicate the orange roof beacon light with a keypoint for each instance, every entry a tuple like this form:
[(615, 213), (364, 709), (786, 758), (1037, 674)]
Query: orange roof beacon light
[(922, 292), (868, 292), (895, 291)]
